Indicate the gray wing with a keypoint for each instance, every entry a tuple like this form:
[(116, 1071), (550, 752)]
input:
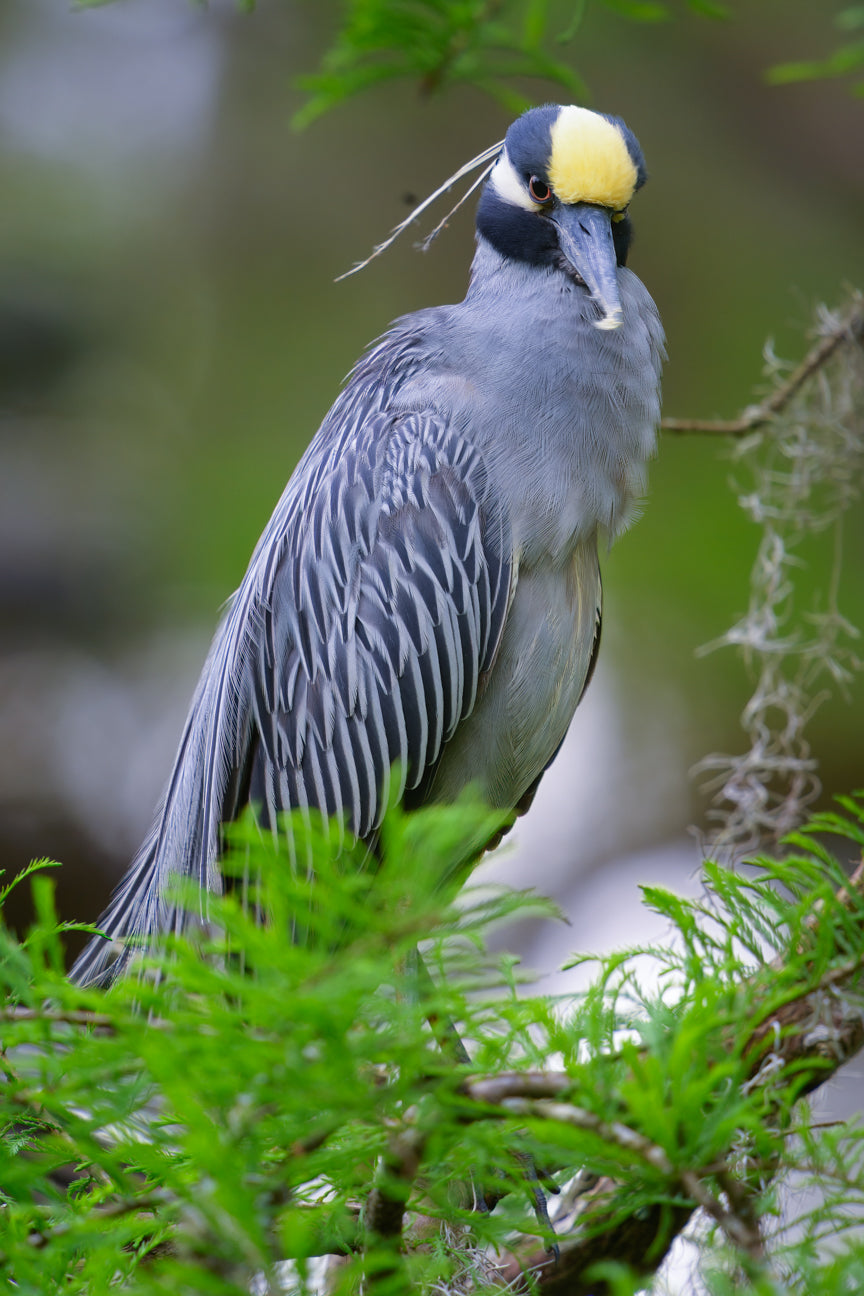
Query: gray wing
[(371, 611), (382, 616)]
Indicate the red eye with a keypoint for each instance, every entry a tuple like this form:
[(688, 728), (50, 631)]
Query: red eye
[(539, 191)]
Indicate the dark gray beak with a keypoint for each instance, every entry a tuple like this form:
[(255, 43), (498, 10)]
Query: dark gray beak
[(585, 238)]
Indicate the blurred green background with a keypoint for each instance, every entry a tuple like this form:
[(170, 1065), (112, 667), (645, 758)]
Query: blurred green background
[(171, 335)]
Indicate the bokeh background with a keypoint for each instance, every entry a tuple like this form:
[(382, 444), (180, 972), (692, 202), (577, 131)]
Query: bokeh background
[(171, 335)]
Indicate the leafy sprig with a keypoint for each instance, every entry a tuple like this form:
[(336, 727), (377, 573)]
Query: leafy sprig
[(202, 1124)]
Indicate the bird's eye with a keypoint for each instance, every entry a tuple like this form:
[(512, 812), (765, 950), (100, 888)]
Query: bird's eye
[(539, 190)]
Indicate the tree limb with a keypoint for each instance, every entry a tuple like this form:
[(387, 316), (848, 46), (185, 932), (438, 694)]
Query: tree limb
[(819, 1027), (849, 328)]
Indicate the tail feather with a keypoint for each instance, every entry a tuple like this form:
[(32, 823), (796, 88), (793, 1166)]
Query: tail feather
[(184, 840)]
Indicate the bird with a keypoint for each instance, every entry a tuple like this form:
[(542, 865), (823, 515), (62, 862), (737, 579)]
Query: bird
[(422, 612)]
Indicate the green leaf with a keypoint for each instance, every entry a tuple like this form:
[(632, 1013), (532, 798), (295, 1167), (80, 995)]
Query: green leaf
[(645, 11), (238, 1107), (579, 9), (850, 19), (35, 866), (710, 9), (846, 59)]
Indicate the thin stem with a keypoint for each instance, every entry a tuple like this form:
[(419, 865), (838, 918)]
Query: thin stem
[(849, 329)]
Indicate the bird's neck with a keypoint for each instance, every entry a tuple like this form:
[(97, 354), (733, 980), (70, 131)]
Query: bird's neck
[(565, 413)]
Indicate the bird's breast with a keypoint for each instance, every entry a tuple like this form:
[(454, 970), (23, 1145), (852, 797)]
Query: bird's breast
[(538, 677), (564, 415)]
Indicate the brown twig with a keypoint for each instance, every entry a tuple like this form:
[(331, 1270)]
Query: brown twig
[(517, 1084), (818, 1027), (741, 1233), (458, 44), (850, 328), (385, 1207), (68, 1017)]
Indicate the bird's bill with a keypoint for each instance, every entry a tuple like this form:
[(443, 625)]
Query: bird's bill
[(585, 239)]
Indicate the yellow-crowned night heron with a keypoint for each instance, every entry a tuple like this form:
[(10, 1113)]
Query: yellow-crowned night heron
[(427, 594)]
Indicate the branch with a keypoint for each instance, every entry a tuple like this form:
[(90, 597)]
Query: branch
[(816, 1027), (385, 1208), (68, 1017), (849, 328), (819, 1027)]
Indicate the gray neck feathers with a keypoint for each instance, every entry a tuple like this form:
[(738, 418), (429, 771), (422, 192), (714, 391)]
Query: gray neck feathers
[(564, 413)]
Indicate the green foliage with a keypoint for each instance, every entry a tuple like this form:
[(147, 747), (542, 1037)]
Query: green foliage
[(484, 43), (846, 60), (442, 42), (249, 1098), (438, 43), (491, 43)]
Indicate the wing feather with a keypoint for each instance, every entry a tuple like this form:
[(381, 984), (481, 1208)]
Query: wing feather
[(372, 609), (385, 649)]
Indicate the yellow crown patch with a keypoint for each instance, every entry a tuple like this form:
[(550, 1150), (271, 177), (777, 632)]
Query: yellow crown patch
[(590, 160)]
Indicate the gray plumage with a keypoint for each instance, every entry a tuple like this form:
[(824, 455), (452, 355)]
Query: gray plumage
[(427, 590)]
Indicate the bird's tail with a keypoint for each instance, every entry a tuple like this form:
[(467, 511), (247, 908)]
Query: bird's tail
[(184, 840)]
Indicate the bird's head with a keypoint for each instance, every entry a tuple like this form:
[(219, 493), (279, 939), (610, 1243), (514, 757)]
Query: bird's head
[(558, 195)]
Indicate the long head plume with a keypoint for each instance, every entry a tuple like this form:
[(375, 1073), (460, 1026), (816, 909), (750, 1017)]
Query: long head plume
[(486, 160)]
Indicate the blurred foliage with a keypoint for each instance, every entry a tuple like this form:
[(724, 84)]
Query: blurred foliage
[(189, 1129), (438, 42), (488, 43), (846, 60)]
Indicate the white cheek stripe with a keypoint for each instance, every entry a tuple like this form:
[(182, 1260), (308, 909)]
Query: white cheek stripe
[(509, 186)]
